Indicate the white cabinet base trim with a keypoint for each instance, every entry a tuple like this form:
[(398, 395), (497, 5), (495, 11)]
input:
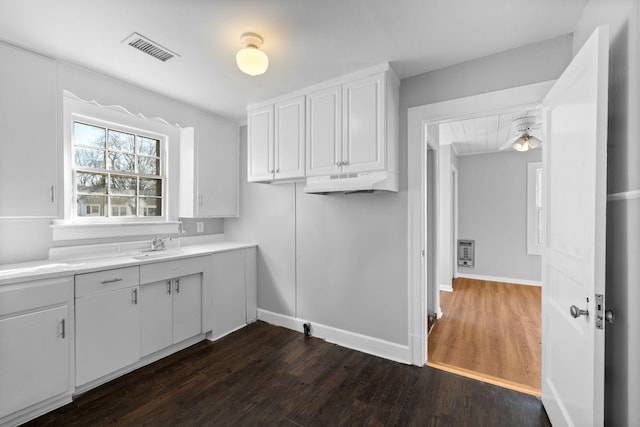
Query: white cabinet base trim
[(32, 412), (500, 279), (154, 357), (352, 340)]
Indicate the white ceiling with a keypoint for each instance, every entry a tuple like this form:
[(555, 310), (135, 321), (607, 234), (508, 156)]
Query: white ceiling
[(307, 41), (485, 134)]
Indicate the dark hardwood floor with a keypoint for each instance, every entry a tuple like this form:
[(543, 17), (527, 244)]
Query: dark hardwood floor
[(271, 376)]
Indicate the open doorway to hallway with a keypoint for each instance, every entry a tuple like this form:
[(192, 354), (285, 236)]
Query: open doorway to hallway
[(489, 325)]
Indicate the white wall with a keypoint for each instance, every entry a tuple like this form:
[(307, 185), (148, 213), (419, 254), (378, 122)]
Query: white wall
[(343, 260), (622, 371), (493, 212), (27, 240)]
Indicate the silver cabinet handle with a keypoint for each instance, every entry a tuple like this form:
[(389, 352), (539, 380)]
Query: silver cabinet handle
[(177, 286), (345, 163), (338, 163), (104, 282), (200, 200), (63, 332), (52, 194), (135, 297), (169, 287), (277, 170)]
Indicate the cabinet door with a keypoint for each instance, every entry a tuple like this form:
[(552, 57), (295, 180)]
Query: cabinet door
[(107, 333), (28, 143), (229, 294), (324, 132), (289, 138), (34, 358), (363, 125), (156, 320), (260, 144), (187, 307), (216, 161)]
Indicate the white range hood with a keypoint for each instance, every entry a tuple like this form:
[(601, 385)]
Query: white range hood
[(353, 183)]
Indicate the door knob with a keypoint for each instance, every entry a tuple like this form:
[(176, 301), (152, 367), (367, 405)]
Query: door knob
[(576, 312), (609, 316)]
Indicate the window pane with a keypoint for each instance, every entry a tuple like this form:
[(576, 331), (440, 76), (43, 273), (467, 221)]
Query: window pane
[(91, 205), (123, 184), (121, 141), (150, 187), (88, 135), (150, 206), (123, 206), (149, 147), (121, 162), (149, 166), (89, 157), (91, 183)]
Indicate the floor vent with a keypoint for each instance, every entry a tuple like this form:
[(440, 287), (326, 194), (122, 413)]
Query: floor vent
[(149, 47)]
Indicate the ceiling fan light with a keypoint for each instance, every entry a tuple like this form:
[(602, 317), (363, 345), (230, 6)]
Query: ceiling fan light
[(521, 144), (250, 59), (534, 142)]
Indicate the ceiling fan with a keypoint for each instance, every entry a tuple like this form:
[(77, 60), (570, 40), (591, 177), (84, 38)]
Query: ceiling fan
[(525, 140)]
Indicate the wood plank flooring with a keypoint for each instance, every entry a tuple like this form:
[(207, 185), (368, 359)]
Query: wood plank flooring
[(491, 330), (271, 376)]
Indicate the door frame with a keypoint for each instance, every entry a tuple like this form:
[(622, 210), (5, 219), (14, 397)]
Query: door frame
[(522, 97)]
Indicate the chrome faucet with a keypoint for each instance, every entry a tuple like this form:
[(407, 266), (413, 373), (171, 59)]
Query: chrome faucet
[(157, 244)]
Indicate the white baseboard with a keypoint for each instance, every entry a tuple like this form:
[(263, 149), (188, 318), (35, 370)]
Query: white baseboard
[(501, 279), (352, 340), (446, 288)]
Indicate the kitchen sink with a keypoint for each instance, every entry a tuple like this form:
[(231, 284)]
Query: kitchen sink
[(156, 254)]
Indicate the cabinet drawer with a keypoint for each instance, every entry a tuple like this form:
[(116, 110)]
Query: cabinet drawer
[(170, 269), (31, 295), (107, 280)]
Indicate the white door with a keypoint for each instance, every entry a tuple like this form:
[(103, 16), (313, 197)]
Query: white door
[(156, 316), (107, 333), (260, 144), (324, 132), (363, 133), (34, 358), (289, 138), (573, 260), (187, 307)]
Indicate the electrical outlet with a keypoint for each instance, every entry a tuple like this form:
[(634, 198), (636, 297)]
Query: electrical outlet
[(200, 227)]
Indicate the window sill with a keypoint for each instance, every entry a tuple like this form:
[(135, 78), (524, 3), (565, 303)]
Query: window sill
[(65, 231)]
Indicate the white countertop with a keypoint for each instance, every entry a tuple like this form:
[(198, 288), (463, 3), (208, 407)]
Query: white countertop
[(85, 259)]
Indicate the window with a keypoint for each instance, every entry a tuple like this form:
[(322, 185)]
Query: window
[(535, 217), (117, 172)]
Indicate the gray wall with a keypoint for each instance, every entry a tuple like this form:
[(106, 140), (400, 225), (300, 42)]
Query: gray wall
[(493, 212), (342, 260), (622, 381)]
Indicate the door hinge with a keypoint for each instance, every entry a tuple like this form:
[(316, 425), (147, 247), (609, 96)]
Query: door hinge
[(599, 311)]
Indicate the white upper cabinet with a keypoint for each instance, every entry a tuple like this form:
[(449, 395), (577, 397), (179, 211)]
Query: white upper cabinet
[(347, 125), (276, 141), (209, 169), (260, 144), (324, 131), (363, 125), (28, 145), (289, 139)]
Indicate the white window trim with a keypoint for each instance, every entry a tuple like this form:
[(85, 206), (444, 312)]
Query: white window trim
[(533, 247), (73, 227)]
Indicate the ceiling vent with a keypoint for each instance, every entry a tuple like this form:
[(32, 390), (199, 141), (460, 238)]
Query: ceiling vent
[(149, 47)]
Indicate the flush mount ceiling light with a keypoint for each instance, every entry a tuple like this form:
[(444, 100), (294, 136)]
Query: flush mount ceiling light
[(250, 59), (525, 141)]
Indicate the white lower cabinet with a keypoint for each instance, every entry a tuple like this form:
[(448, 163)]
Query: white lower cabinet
[(234, 290), (170, 312), (171, 302), (107, 322), (36, 340)]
